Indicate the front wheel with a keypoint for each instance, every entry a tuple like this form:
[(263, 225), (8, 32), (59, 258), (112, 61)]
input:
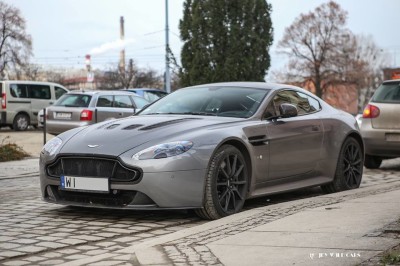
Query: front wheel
[(226, 184), (21, 122), (349, 168)]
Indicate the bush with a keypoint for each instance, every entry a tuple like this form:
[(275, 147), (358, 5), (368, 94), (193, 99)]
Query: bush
[(11, 151)]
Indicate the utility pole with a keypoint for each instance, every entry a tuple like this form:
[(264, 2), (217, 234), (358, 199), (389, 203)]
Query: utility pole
[(167, 75)]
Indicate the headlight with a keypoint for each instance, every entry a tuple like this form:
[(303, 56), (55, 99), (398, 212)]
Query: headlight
[(163, 150), (52, 145)]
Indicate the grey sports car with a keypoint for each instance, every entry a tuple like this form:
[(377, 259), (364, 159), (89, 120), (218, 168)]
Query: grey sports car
[(207, 148)]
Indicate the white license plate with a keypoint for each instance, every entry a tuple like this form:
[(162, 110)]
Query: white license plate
[(63, 115), (84, 183), (392, 137)]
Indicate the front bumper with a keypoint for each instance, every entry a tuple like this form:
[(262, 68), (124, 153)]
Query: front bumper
[(156, 190)]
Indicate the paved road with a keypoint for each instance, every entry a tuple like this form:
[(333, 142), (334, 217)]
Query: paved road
[(36, 233)]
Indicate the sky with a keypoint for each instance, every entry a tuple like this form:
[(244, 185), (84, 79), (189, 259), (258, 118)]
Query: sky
[(64, 31)]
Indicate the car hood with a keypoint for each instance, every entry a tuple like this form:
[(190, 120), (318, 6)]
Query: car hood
[(115, 137)]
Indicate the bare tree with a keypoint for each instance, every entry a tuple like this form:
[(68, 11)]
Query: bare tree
[(312, 43), (15, 43), (132, 77)]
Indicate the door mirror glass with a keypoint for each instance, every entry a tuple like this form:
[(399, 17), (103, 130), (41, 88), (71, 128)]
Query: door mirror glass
[(287, 110)]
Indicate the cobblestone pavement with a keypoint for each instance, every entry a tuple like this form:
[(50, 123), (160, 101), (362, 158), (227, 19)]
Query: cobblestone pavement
[(36, 233)]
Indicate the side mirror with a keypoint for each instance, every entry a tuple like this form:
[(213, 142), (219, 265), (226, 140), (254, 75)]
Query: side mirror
[(288, 110)]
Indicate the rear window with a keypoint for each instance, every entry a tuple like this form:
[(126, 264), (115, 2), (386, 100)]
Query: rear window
[(387, 93), (73, 100)]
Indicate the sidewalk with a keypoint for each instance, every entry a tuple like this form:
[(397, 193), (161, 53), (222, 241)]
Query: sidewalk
[(22, 168), (337, 229)]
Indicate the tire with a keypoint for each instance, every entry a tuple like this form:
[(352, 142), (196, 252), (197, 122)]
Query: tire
[(372, 162), (349, 168), (21, 122), (226, 184)]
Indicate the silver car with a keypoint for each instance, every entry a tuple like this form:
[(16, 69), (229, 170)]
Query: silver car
[(76, 109), (380, 126), (207, 148)]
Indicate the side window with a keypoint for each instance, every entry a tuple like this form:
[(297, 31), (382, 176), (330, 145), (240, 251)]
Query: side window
[(104, 101), (140, 102), (304, 103), (39, 92), (59, 92), (150, 96), (19, 90), (122, 101)]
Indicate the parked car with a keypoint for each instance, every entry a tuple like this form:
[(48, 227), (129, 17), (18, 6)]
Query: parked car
[(149, 94), (77, 109), (22, 100), (207, 148), (381, 124)]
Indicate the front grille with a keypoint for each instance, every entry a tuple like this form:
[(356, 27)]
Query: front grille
[(92, 167)]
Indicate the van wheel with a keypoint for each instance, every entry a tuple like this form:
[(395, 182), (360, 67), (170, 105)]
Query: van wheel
[(21, 122)]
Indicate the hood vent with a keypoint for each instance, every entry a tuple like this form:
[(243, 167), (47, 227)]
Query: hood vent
[(112, 126), (167, 123), (131, 127)]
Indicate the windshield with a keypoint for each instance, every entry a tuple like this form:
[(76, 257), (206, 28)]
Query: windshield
[(216, 101), (387, 93), (73, 100)]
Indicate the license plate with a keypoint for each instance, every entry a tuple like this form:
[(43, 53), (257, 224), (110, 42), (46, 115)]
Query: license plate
[(84, 183), (392, 137), (63, 115)]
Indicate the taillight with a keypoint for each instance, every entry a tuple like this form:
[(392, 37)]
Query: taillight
[(86, 115), (371, 111), (3, 101)]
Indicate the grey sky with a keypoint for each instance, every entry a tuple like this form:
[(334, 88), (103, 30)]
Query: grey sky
[(64, 31)]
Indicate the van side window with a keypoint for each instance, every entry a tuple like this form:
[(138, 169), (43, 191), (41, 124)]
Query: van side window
[(59, 92), (19, 90), (39, 92)]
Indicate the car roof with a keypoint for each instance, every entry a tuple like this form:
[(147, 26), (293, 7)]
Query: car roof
[(259, 85), (100, 92), (144, 89), (31, 82)]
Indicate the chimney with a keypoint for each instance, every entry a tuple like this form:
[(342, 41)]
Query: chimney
[(122, 53)]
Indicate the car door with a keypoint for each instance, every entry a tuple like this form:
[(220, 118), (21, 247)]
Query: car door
[(124, 105), (105, 109), (40, 96), (295, 143)]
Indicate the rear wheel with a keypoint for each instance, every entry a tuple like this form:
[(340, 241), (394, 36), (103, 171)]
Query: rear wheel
[(349, 168), (21, 122), (372, 162), (226, 184)]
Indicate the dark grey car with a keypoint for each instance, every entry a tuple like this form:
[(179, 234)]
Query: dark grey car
[(76, 109), (207, 148)]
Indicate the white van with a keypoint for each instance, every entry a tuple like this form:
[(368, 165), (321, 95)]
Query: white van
[(22, 100)]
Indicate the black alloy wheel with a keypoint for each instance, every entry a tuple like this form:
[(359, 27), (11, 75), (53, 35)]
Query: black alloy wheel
[(226, 184), (349, 168)]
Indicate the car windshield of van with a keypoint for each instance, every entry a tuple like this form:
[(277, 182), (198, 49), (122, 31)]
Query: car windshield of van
[(387, 93), (73, 100)]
